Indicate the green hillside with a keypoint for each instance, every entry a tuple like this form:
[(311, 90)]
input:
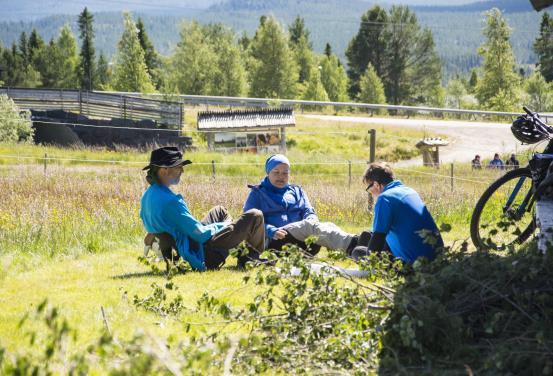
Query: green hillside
[(457, 29)]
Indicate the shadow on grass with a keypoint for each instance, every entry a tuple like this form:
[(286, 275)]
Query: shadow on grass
[(138, 275), (479, 312)]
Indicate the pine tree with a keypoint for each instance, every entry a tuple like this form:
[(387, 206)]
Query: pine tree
[(371, 89), (543, 46), (297, 31), (103, 73), (274, 73), (131, 73), (498, 69), (151, 57), (334, 78), (68, 59), (36, 44), (24, 49), (50, 70), (473, 81), (305, 59), (328, 50), (368, 46), (87, 66)]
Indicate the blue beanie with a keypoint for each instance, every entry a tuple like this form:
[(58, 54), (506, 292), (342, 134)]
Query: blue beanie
[(275, 160)]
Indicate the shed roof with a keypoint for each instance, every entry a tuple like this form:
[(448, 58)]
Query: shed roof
[(432, 142), (246, 119)]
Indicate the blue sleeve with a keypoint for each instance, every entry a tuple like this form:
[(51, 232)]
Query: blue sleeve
[(308, 211), (180, 217), (383, 215)]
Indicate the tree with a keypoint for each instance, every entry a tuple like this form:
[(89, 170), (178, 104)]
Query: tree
[(473, 81), (297, 31), (36, 45), (230, 76), (455, 92), (328, 50), (411, 71), (367, 46), (273, 70), (402, 54), (194, 63), (498, 69), (51, 67), (131, 73), (305, 59), (24, 49), (371, 89), (334, 78), (87, 67), (543, 46), (68, 59), (103, 73), (315, 90), (540, 93), (151, 57), (15, 125)]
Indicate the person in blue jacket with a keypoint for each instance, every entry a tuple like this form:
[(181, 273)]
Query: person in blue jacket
[(402, 224), (203, 244), (288, 214)]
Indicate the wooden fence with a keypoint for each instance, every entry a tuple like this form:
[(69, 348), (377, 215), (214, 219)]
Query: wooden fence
[(101, 105)]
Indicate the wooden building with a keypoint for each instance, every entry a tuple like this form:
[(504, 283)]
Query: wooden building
[(430, 148), (253, 130)]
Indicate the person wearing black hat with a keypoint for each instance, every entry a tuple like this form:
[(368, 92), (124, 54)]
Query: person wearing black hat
[(203, 244)]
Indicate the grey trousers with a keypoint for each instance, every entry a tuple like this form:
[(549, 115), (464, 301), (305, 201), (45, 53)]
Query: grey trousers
[(328, 234)]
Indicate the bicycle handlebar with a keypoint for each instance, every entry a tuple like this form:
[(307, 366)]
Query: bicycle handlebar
[(528, 111)]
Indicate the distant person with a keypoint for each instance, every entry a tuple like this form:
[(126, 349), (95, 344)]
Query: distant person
[(512, 162), (402, 224), (203, 244), (476, 164), (289, 216), (496, 162)]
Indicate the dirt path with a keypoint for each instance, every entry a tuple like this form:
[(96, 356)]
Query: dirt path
[(466, 138)]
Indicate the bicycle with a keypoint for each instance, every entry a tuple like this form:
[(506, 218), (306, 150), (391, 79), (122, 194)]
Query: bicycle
[(505, 213)]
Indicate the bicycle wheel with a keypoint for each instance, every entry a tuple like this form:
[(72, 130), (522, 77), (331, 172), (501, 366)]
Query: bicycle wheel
[(505, 214)]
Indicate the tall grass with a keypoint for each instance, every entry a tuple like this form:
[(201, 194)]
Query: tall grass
[(72, 210)]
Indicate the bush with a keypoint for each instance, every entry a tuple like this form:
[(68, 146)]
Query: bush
[(15, 125)]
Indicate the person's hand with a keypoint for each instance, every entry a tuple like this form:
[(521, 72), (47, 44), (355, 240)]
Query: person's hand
[(279, 234)]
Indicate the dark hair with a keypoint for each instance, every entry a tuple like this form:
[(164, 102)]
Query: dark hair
[(379, 172), (152, 177)]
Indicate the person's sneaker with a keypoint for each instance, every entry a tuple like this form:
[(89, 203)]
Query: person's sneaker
[(352, 244), (364, 238)]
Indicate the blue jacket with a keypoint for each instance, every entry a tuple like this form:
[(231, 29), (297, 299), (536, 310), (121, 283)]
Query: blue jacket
[(280, 206), (400, 214), (162, 210)]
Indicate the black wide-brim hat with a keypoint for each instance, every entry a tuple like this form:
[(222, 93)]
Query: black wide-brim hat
[(167, 156)]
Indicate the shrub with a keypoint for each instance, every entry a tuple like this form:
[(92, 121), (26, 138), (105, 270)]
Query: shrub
[(15, 125)]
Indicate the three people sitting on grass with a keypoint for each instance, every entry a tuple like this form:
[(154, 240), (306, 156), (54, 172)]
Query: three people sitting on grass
[(278, 213)]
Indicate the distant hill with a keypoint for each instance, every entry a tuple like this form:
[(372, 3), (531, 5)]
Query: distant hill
[(457, 29)]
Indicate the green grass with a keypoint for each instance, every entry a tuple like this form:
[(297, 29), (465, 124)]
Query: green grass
[(71, 234)]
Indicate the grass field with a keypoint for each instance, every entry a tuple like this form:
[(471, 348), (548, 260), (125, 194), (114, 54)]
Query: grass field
[(71, 233)]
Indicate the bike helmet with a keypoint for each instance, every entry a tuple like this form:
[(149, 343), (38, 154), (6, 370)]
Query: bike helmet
[(529, 130)]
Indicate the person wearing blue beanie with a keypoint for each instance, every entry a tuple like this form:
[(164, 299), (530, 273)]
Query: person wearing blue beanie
[(288, 214)]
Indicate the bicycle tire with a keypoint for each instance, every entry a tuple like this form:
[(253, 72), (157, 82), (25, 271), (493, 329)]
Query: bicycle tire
[(475, 226)]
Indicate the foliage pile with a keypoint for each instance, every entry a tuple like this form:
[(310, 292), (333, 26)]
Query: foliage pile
[(490, 313)]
